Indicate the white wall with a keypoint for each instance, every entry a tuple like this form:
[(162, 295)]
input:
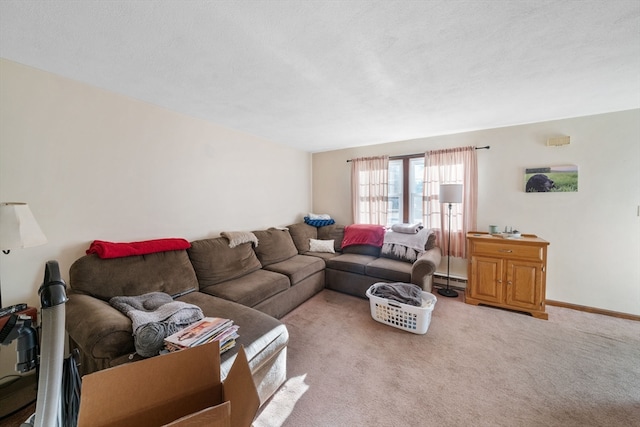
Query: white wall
[(97, 165), (594, 234)]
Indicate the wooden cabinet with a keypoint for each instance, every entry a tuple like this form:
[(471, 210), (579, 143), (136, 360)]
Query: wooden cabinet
[(507, 273)]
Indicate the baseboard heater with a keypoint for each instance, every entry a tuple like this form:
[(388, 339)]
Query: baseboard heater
[(454, 282)]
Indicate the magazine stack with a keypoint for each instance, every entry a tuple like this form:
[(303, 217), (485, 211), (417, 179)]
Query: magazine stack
[(203, 331)]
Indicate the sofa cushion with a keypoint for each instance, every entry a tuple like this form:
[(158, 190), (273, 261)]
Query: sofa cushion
[(333, 232), (354, 263), (362, 250), (262, 336), (323, 255), (389, 269), (251, 288), (431, 242), (274, 245), (301, 233), (298, 267), (169, 272), (215, 262)]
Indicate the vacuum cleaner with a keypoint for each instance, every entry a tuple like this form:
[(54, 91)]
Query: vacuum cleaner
[(58, 395)]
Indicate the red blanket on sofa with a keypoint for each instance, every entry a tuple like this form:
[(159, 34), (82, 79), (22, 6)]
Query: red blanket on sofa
[(117, 250), (363, 234)]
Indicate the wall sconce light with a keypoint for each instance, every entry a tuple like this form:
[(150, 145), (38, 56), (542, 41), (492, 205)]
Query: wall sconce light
[(558, 141)]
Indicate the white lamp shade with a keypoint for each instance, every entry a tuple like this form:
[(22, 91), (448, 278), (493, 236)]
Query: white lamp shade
[(18, 227), (450, 193)]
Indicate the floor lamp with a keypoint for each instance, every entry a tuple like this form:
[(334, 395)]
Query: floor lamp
[(449, 193)]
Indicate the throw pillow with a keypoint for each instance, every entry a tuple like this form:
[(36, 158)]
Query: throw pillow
[(321, 246)]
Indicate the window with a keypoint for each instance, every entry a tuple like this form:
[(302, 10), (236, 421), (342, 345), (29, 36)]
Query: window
[(416, 183), (451, 166), (406, 181), (406, 190), (395, 212), (369, 189)]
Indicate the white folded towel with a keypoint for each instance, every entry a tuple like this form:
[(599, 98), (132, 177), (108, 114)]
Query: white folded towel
[(319, 216), (407, 228)]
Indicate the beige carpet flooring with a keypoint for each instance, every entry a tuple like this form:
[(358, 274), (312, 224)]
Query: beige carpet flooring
[(475, 366)]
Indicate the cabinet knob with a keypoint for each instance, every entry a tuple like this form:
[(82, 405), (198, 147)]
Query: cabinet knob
[(509, 282), (508, 251), (499, 281)]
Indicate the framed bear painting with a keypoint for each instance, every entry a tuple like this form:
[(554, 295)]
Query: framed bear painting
[(551, 179)]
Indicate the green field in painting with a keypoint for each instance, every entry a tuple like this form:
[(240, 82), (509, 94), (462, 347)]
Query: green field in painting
[(565, 181)]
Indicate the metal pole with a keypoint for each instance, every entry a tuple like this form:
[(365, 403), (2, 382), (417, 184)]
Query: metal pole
[(448, 292)]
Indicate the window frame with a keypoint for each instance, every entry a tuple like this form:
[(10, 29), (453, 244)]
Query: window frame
[(406, 194)]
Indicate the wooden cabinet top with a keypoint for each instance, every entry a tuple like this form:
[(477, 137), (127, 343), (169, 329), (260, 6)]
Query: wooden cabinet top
[(526, 239)]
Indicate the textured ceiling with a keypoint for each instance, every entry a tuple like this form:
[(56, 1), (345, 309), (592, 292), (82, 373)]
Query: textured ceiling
[(322, 75)]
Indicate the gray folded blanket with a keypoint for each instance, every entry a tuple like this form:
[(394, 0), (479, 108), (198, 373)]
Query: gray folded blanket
[(405, 293), (155, 316)]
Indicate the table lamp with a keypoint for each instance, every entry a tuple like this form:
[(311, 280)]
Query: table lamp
[(18, 229)]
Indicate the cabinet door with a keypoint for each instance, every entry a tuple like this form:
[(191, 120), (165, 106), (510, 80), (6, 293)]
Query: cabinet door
[(524, 284), (486, 279)]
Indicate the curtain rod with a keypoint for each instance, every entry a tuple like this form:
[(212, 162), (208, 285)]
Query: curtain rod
[(486, 147)]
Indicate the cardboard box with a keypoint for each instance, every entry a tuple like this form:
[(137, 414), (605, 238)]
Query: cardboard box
[(176, 389)]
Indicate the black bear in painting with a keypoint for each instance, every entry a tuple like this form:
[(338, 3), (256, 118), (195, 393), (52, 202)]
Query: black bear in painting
[(539, 183)]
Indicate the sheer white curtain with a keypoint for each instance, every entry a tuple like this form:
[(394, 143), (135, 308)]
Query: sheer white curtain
[(451, 166), (369, 190)]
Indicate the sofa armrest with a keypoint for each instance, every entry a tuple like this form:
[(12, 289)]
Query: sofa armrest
[(424, 267), (100, 330)]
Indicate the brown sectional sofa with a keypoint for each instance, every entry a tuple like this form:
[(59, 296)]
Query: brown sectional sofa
[(254, 286), (272, 277), (354, 269)]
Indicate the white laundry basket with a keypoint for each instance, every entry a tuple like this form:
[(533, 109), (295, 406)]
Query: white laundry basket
[(402, 316)]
